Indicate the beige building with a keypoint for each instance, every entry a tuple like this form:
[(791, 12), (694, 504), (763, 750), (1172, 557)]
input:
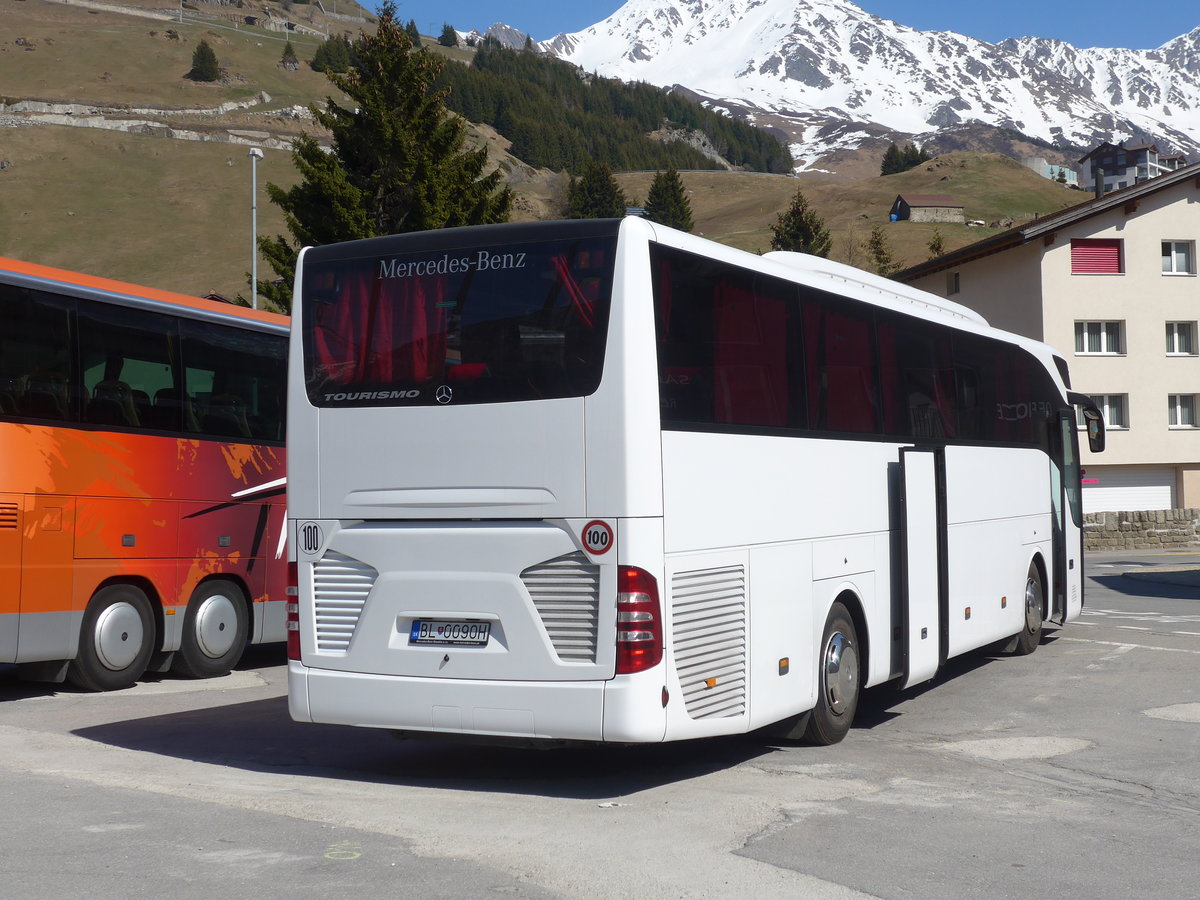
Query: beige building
[(1112, 285)]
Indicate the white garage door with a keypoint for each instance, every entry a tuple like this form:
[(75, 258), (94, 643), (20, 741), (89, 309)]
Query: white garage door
[(1127, 488)]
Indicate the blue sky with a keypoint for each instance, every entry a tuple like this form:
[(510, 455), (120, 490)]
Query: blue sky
[(1100, 23)]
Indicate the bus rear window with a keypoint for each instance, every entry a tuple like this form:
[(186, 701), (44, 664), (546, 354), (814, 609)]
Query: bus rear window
[(477, 325)]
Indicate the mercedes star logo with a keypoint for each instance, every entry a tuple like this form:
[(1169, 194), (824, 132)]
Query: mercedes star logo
[(444, 394)]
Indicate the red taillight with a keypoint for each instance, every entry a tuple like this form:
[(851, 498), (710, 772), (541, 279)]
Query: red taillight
[(639, 621), (293, 612)]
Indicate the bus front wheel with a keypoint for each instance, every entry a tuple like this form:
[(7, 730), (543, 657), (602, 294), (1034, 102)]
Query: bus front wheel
[(1031, 633), (116, 640), (838, 680), (214, 631)]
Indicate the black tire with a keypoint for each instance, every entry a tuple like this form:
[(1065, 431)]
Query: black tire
[(214, 631), (1034, 606), (839, 680), (116, 640)]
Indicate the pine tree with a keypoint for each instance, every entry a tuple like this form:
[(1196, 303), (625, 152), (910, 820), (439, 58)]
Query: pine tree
[(891, 161), (397, 161), (413, 33), (335, 55), (881, 253), (800, 229), (449, 37), (937, 244), (288, 58), (667, 203), (595, 195), (204, 63)]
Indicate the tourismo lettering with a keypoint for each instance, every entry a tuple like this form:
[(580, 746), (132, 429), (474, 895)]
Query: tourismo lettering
[(347, 396)]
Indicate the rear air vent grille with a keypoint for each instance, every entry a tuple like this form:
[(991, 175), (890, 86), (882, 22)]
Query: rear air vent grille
[(340, 588), (566, 592), (8, 516), (708, 620)]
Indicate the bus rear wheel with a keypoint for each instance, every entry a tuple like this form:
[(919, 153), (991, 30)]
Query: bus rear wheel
[(116, 640), (838, 680), (1031, 634), (214, 631)]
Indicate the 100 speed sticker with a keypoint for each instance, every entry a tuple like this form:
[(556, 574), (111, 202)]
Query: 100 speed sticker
[(597, 537)]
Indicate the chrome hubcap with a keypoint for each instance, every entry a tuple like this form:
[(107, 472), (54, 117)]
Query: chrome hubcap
[(119, 635), (1033, 604), (216, 626), (841, 673)]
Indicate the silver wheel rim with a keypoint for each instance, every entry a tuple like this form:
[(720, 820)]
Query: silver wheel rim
[(216, 626), (119, 636), (841, 673), (1033, 604)]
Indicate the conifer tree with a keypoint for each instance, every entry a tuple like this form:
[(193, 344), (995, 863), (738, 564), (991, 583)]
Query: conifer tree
[(595, 194), (204, 63), (397, 161), (449, 37), (881, 253), (891, 161), (937, 244), (800, 229), (667, 203), (411, 30), (288, 58)]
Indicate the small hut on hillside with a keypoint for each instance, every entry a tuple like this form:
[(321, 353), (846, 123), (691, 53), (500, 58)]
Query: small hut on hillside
[(928, 208)]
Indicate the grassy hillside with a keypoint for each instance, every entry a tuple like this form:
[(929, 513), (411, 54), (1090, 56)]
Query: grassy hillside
[(738, 209), (176, 214)]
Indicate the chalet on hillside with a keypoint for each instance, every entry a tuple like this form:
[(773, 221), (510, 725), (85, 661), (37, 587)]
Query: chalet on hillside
[(928, 208)]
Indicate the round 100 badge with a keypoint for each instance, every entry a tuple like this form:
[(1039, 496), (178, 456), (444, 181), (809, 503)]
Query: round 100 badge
[(597, 537)]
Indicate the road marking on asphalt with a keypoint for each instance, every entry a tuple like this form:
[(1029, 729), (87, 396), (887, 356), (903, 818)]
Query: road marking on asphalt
[(1131, 646)]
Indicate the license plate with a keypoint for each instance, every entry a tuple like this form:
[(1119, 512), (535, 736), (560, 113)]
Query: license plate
[(463, 634)]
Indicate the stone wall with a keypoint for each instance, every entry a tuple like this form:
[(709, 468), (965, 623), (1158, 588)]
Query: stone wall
[(1166, 529)]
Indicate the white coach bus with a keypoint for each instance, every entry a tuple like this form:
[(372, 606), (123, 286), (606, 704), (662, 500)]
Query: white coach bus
[(605, 481)]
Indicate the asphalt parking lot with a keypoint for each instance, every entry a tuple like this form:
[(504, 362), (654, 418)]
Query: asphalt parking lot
[(1074, 771)]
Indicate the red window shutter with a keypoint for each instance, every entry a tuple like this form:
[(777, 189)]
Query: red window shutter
[(1099, 256)]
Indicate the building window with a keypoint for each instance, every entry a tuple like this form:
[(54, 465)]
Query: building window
[(1099, 337), (1114, 409), (952, 286), (1097, 256), (1181, 338), (1179, 257), (1181, 410)]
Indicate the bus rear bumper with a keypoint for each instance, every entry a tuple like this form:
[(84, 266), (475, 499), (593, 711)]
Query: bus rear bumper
[(501, 709)]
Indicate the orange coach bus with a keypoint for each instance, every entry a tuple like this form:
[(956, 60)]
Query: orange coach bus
[(141, 479)]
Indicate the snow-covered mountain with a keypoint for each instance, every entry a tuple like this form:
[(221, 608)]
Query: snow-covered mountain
[(838, 76)]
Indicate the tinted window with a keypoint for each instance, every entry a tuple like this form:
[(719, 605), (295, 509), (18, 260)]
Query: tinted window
[(725, 344), (479, 325), (233, 382), (36, 377), (736, 348), (125, 359)]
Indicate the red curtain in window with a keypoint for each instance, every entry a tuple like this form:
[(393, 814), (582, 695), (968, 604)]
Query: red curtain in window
[(383, 330), (1097, 256), (749, 360)]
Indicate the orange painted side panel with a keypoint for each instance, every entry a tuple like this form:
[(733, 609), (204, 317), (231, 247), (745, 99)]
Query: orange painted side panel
[(109, 528), (46, 575), (178, 498)]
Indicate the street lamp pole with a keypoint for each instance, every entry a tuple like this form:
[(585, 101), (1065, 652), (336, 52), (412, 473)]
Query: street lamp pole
[(255, 155)]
